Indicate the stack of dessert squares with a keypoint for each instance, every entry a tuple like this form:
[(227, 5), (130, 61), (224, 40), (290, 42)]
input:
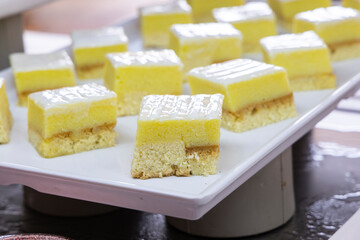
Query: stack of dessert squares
[(202, 43)]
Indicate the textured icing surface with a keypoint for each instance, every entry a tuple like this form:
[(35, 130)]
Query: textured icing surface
[(21, 62), (204, 30), (141, 58), (292, 42), (179, 6), (184, 107), (63, 97), (234, 71), (98, 37), (329, 14), (247, 12)]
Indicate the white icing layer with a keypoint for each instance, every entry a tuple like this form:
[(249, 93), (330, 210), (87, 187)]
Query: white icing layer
[(249, 12), (205, 30), (164, 57), (292, 42), (184, 107), (63, 97), (329, 15), (2, 82), (21, 62), (99, 37), (179, 6), (234, 71)]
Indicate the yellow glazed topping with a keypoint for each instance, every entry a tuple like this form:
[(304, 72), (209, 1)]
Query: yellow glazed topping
[(195, 120)]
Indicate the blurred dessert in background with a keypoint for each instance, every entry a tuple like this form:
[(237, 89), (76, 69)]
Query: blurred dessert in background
[(254, 20), (38, 72), (205, 43), (202, 9), (133, 75), (305, 57), (285, 10), (156, 21), (91, 46), (339, 27)]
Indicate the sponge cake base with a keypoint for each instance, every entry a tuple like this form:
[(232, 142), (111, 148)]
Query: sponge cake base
[(5, 127), (345, 50), (73, 142), (261, 114), (313, 82), (173, 159)]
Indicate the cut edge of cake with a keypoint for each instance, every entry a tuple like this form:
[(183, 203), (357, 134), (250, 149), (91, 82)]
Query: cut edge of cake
[(179, 161), (260, 114), (72, 141), (174, 158), (6, 120), (223, 76)]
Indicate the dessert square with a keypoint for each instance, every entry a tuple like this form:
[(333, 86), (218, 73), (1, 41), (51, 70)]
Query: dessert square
[(6, 119), (254, 20), (71, 120), (339, 27), (133, 75), (91, 46), (305, 57), (157, 20), (177, 135), (205, 43), (285, 10), (256, 94), (351, 3), (202, 8), (38, 72)]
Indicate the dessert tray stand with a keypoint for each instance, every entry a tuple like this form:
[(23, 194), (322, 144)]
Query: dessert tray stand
[(251, 193)]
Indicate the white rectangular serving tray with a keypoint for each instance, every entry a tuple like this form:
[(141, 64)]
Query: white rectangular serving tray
[(103, 175)]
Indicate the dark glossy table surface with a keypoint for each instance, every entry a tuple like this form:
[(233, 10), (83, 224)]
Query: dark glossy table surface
[(327, 188)]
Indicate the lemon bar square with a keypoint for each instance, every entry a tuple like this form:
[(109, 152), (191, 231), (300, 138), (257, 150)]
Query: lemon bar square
[(38, 72), (256, 94), (157, 20), (91, 46), (133, 75), (305, 57), (6, 119), (254, 20), (351, 3), (71, 120), (205, 43), (339, 27), (202, 9), (287, 9), (177, 135)]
